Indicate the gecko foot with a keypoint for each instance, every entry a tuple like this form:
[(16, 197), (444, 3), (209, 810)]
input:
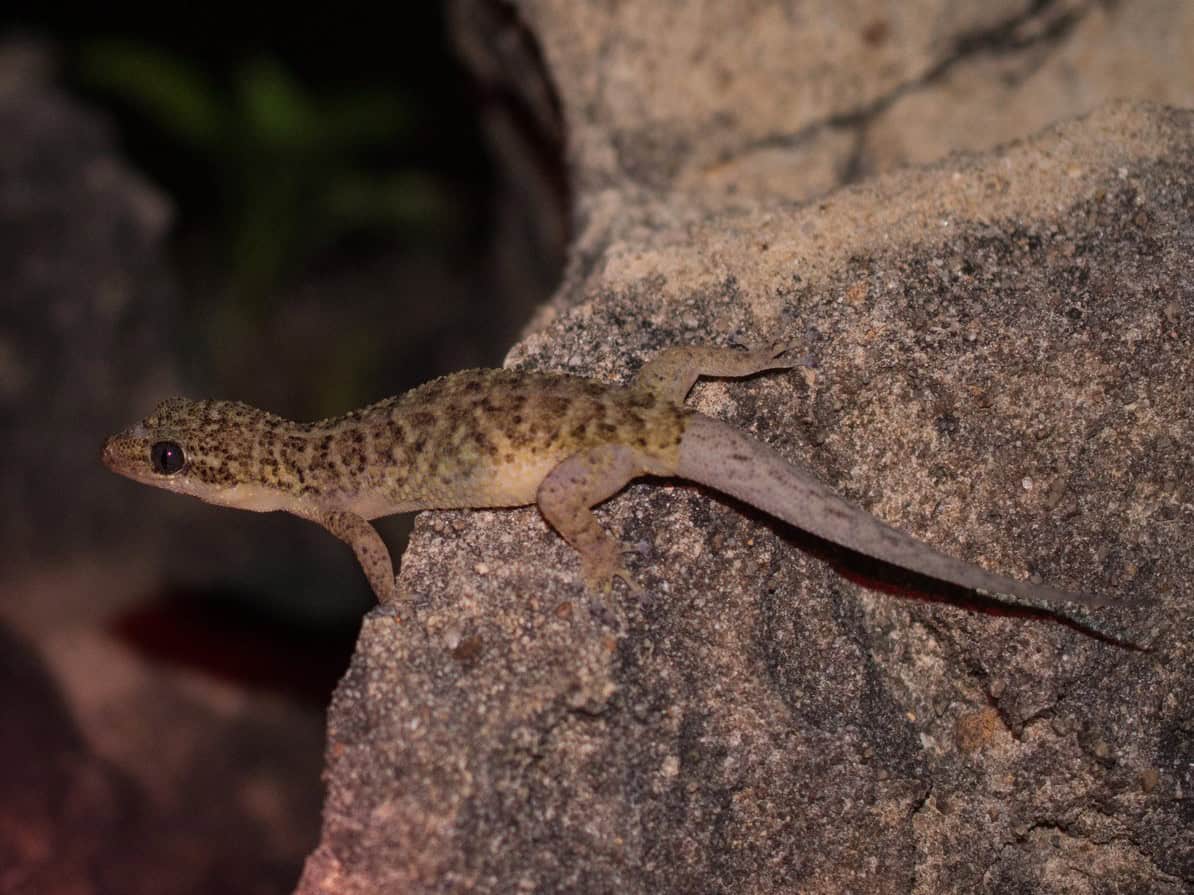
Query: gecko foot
[(602, 581), (601, 567), (386, 610), (771, 357)]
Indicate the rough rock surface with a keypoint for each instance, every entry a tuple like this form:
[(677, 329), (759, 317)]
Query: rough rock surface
[(1004, 369), (792, 99)]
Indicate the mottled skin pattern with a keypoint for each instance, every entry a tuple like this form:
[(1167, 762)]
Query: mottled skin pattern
[(492, 438), (465, 440)]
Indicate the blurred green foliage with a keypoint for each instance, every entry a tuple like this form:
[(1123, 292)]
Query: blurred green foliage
[(293, 171)]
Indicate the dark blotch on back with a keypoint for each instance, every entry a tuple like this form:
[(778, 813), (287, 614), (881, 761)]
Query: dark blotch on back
[(484, 444)]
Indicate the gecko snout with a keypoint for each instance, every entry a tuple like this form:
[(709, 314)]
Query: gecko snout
[(121, 453), (108, 452)]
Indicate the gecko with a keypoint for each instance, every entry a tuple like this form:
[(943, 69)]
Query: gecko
[(504, 438)]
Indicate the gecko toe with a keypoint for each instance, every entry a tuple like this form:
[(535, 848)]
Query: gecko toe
[(633, 586)]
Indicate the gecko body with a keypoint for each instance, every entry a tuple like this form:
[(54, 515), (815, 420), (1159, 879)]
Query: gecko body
[(496, 438)]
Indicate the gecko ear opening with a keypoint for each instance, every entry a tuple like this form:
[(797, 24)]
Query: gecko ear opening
[(167, 458)]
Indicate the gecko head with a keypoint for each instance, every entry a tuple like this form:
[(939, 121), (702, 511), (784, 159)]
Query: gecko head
[(200, 448)]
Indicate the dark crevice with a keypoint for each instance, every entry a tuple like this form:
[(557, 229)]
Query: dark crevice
[(854, 168), (919, 803)]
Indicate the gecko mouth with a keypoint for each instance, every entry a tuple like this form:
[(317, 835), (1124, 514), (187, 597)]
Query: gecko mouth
[(108, 454)]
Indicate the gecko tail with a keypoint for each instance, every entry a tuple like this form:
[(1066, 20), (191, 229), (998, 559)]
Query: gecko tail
[(717, 455)]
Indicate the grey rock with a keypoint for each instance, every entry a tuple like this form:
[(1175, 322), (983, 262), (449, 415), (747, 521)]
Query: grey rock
[(1004, 369)]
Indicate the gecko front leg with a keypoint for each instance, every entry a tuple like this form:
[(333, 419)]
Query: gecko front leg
[(566, 496), (370, 550), (672, 373)]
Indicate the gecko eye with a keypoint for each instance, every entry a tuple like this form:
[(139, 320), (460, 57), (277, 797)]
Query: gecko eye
[(167, 457)]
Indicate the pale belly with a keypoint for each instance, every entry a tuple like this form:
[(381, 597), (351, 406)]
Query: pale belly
[(504, 485)]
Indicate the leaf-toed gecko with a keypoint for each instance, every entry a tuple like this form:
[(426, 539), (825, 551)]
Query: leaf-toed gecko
[(500, 438)]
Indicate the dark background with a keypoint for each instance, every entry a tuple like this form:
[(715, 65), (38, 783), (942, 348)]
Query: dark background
[(302, 215)]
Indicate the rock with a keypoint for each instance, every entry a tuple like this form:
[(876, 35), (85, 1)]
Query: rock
[(985, 328)]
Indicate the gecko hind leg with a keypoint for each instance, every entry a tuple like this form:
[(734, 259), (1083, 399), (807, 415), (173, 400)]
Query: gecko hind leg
[(672, 372), (566, 496)]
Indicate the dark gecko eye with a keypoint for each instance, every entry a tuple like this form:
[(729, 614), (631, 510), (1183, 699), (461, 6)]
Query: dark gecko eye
[(167, 457)]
